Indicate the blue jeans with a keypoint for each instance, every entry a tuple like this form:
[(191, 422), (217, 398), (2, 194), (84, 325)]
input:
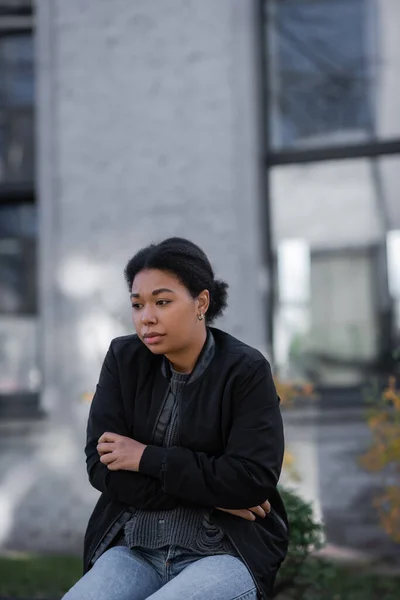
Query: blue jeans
[(124, 574)]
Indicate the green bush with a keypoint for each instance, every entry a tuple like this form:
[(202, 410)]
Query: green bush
[(305, 535)]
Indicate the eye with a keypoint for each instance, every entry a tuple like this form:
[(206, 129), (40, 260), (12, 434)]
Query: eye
[(136, 306), (163, 302)]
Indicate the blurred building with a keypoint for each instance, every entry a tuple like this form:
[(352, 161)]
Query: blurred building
[(267, 132)]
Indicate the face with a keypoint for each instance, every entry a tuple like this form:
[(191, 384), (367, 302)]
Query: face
[(164, 313)]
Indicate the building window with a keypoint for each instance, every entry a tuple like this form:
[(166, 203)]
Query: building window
[(334, 339), (18, 259), (323, 68), (16, 108), (19, 372), (332, 81)]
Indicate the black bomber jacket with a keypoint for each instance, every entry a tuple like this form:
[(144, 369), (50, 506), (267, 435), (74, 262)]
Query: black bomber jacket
[(229, 455)]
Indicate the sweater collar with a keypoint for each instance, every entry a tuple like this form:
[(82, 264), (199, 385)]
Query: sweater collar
[(205, 357)]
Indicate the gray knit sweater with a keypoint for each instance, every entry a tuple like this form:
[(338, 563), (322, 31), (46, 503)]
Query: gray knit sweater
[(188, 528)]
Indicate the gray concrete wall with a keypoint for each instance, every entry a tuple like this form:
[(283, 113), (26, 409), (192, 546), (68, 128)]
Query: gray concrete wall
[(152, 131)]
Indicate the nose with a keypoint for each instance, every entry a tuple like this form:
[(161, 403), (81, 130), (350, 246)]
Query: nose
[(148, 317)]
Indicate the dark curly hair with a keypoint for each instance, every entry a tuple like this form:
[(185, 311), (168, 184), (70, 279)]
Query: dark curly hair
[(188, 263)]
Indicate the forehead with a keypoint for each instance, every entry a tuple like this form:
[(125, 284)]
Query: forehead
[(152, 279)]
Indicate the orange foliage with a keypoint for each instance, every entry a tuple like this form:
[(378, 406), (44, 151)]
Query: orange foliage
[(384, 455), (288, 392)]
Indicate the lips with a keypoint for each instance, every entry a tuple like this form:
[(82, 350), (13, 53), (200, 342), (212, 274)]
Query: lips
[(153, 338), (148, 336)]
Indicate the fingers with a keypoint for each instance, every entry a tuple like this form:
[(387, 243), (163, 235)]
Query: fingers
[(114, 466), (108, 437), (262, 510), (243, 513), (246, 514), (105, 447), (108, 458), (266, 506), (258, 510), (249, 514)]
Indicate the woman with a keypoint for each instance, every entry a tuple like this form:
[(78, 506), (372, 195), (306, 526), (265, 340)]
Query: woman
[(185, 442)]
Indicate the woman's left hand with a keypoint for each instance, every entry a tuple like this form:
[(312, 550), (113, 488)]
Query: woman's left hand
[(118, 452)]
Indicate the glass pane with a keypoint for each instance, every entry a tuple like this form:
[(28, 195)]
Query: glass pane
[(16, 108), (18, 157), (2, 147), (393, 252), (292, 310), (393, 260), (16, 61), (18, 355), (332, 204), (17, 276), (337, 214), (334, 71), (18, 220), (388, 177)]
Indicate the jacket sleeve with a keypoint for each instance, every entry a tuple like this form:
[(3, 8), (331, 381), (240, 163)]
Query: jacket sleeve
[(107, 414), (247, 473)]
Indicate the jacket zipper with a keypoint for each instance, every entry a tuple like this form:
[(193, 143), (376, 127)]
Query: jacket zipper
[(104, 535), (179, 417), (245, 562), (160, 413)]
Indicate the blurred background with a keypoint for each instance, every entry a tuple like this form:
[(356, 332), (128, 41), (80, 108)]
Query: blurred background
[(268, 132)]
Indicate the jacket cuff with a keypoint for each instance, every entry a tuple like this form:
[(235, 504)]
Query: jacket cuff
[(152, 461)]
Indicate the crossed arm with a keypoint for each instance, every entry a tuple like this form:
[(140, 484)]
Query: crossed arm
[(120, 453), (154, 478)]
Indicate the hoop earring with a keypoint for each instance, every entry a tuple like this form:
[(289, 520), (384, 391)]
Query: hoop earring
[(200, 317)]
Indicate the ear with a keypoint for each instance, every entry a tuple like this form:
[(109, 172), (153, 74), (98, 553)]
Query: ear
[(203, 301)]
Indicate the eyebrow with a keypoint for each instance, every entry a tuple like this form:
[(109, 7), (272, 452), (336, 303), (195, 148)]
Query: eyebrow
[(155, 292)]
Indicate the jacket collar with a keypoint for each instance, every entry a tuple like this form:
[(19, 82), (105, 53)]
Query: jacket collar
[(205, 357)]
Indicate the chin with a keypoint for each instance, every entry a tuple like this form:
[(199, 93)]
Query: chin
[(156, 349)]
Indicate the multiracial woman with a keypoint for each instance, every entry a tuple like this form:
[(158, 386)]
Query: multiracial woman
[(185, 443)]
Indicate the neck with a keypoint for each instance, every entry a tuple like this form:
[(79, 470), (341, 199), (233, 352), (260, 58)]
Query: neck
[(183, 361)]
